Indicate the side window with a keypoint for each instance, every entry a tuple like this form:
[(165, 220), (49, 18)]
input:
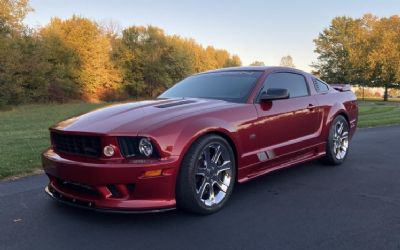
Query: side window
[(320, 86), (295, 83)]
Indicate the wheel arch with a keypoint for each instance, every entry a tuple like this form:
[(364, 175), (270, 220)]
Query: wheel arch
[(184, 184), (219, 132), (231, 144), (342, 113), (337, 109)]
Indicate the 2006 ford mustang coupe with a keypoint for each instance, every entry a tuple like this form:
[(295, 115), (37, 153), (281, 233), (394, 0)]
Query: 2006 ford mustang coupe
[(190, 146)]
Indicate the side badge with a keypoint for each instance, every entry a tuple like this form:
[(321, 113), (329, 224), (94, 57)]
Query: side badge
[(266, 155), (262, 156), (270, 154)]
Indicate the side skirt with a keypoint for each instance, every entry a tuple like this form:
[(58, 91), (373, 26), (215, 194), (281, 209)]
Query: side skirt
[(291, 163)]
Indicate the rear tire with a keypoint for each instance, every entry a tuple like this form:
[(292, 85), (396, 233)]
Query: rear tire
[(207, 176), (337, 145)]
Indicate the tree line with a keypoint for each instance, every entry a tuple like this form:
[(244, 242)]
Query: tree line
[(361, 51), (79, 59)]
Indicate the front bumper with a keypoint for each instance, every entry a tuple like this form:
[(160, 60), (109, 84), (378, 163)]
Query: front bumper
[(88, 205), (111, 186)]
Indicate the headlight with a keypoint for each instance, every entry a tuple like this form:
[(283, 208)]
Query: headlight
[(145, 147), (109, 150)]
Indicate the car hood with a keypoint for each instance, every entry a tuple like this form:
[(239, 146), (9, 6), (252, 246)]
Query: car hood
[(131, 118)]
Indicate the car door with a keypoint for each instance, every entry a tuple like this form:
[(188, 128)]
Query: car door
[(288, 125)]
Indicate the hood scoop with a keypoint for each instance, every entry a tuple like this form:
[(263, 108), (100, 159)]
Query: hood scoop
[(173, 104)]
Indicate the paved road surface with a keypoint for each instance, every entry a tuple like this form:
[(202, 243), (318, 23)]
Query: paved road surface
[(353, 206)]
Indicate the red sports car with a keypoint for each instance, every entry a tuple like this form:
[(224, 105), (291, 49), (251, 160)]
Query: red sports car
[(190, 146)]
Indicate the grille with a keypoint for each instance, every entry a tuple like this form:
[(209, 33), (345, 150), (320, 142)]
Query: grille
[(77, 144), (128, 146)]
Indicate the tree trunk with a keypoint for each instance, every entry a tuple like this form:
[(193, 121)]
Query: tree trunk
[(363, 88), (385, 96)]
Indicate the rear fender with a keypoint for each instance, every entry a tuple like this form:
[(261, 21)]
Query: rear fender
[(338, 109)]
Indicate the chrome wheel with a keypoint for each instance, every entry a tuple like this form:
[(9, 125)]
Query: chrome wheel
[(340, 140), (213, 174)]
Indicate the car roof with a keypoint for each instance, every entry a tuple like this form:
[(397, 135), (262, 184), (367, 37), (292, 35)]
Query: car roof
[(256, 68)]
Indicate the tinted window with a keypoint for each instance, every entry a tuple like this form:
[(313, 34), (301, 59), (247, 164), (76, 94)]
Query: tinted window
[(232, 86), (295, 83), (320, 86)]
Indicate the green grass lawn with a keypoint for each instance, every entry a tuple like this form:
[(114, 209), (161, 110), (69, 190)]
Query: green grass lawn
[(379, 99), (373, 114), (24, 134), (24, 130)]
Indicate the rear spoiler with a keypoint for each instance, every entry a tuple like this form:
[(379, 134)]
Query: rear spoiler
[(341, 87)]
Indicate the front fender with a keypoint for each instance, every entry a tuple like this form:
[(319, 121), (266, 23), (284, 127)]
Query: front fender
[(177, 137), (204, 126)]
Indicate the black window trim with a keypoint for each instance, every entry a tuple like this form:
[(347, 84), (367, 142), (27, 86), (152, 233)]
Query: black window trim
[(257, 100)]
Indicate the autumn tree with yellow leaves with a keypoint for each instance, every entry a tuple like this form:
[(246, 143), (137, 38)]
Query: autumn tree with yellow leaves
[(96, 75), (78, 58), (363, 51)]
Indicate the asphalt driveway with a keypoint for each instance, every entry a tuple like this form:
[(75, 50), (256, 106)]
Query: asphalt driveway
[(311, 206)]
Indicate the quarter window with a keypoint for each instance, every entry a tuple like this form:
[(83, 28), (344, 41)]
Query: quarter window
[(320, 86), (294, 83)]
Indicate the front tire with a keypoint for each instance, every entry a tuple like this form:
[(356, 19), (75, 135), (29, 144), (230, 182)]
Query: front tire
[(337, 145), (207, 176)]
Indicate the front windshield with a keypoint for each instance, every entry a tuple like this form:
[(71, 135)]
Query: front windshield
[(233, 86)]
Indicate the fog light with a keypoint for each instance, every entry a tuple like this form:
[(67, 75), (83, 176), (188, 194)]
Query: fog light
[(145, 147), (109, 150), (152, 173)]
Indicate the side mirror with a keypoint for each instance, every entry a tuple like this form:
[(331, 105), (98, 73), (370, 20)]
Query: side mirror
[(274, 94)]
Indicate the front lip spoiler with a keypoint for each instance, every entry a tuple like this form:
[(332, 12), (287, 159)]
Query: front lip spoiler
[(102, 210)]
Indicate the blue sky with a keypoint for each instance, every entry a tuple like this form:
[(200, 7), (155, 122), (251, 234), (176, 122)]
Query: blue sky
[(254, 30)]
